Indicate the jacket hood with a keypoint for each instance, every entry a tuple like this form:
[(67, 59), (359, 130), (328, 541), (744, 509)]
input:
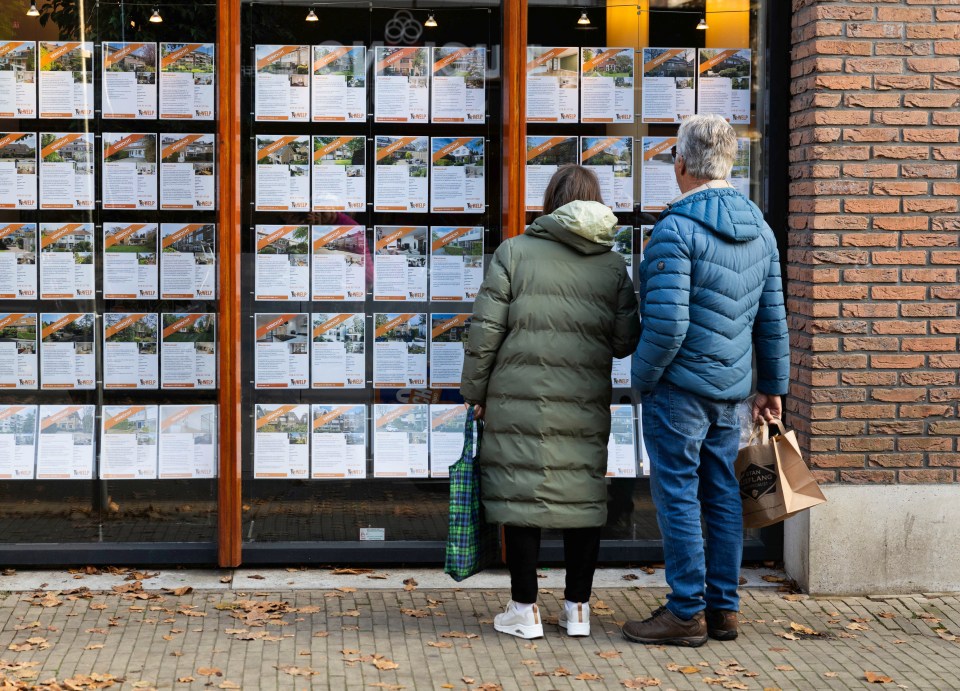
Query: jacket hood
[(724, 211), (587, 227)]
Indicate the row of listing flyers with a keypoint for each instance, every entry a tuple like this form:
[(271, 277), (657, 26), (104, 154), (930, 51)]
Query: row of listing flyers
[(130, 80), (625, 442), (185, 252), (612, 160), (596, 85), (328, 349), (141, 442), (337, 77)]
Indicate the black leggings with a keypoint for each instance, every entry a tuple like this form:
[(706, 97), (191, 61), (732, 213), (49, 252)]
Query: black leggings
[(581, 547)]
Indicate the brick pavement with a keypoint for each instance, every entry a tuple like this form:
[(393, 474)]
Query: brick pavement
[(333, 639)]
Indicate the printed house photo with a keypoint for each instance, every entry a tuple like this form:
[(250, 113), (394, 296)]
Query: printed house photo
[(350, 153), (680, 67), (142, 242), (200, 242), (469, 154), (200, 331), (619, 155), (413, 64), (621, 426), (452, 424), (143, 330), (79, 331), (23, 152), (471, 66), (455, 334), (297, 426), (413, 244), (565, 66), (557, 155), (200, 423), (79, 152), (77, 61), (412, 331), (735, 67), (144, 149), (141, 60), (296, 153), (79, 241), (623, 243), (619, 67), (468, 245), (353, 422), (350, 64), (198, 151), (295, 332), (413, 422), (79, 423), (143, 423), (351, 245), (413, 154), (22, 331), (350, 332), (295, 243), (23, 243), (292, 64), (22, 61), (197, 61)]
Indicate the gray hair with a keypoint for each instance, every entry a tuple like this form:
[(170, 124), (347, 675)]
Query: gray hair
[(708, 145)]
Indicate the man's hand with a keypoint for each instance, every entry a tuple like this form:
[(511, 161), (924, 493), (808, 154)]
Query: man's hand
[(769, 407), (478, 411)]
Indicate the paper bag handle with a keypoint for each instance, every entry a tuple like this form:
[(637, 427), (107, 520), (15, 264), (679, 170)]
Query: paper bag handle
[(760, 432)]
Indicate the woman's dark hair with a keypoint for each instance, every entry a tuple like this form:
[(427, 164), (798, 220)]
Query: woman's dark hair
[(571, 183)]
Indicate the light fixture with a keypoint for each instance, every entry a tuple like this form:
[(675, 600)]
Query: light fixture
[(312, 16), (431, 22), (702, 26), (155, 18), (584, 19), (33, 11)]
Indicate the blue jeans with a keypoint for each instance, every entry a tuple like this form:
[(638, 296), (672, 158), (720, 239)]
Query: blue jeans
[(692, 443)]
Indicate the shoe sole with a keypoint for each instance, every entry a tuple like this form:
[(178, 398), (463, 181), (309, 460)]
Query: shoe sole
[(576, 630), (686, 641), (527, 631), (723, 635)]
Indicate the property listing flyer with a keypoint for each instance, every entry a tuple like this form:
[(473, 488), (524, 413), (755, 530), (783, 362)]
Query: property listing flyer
[(129, 80), (188, 351), (18, 79), (620, 373), (128, 442), (66, 170), (130, 261), (18, 351), (339, 174), (611, 160), (66, 261), (339, 84), (18, 261), (446, 437), (400, 174), (658, 182), (187, 172), (282, 83), (338, 347), (129, 170), (668, 84), (187, 73), (339, 442), (644, 457), (283, 173), (458, 84), (553, 84), (281, 448), (544, 156), (18, 170), (65, 444), (339, 262), (456, 262), (399, 351), (400, 440), (188, 442), (622, 445), (131, 345), (283, 263), (458, 176), (724, 84), (282, 351), (68, 351), (606, 85), (645, 233), (740, 174), (188, 261), (66, 80), (18, 441), (402, 87), (623, 245), (448, 339), (400, 263)]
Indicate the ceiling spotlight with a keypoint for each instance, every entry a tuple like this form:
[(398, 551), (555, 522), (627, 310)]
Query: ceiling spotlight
[(312, 16), (702, 26), (155, 18), (33, 11), (431, 22), (584, 19)]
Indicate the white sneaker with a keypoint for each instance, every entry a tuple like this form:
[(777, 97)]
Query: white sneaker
[(575, 619), (521, 624)]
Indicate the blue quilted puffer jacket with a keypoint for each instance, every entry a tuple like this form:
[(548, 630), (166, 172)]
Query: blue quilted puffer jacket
[(710, 293)]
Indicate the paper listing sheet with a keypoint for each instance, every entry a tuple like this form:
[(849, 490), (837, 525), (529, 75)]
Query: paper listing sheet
[(606, 85), (658, 181), (669, 75), (339, 84), (458, 181), (399, 350), (283, 173), (553, 84), (66, 80), (645, 232), (338, 350), (622, 445), (66, 261), (18, 351), (130, 262), (187, 74), (188, 442), (68, 351), (446, 437), (458, 84), (129, 80), (339, 174), (339, 263), (456, 263), (282, 83), (281, 447), (400, 263), (188, 261), (18, 170), (544, 156), (18, 79), (65, 444), (66, 170), (18, 441), (448, 339), (131, 345), (723, 86), (611, 160), (644, 457), (339, 442), (400, 174), (401, 84), (400, 440), (282, 351), (18, 261), (129, 171), (187, 172), (188, 351), (283, 263), (128, 442), (740, 174)]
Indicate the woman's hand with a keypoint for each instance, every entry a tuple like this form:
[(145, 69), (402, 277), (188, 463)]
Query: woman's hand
[(478, 411)]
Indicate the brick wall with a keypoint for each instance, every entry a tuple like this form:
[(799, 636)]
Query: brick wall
[(873, 238)]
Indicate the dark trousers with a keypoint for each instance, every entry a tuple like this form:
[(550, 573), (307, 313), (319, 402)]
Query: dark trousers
[(581, 547)]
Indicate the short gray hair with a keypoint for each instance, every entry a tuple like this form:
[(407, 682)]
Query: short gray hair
[(708, 144)]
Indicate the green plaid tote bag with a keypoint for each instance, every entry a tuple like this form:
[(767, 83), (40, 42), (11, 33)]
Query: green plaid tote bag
[(472, 544)]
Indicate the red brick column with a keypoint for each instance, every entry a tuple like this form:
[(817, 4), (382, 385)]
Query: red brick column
[(873, 238)]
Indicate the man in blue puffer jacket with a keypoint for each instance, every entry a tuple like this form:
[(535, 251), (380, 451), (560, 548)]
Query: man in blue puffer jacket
[(712, 301)]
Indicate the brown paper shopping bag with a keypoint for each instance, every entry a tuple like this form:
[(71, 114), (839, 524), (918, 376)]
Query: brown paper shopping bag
[(775, 483)]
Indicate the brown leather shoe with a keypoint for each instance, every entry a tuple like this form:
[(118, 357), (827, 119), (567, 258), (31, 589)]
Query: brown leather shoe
[(663, 627), (722, 624)]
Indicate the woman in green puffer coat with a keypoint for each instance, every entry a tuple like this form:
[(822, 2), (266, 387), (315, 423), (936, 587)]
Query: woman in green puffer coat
[(555, 308)]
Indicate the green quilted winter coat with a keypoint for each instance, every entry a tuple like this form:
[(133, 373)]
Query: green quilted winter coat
[(554, 310)]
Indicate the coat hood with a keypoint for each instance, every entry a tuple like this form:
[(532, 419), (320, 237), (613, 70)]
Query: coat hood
[(587, 227), (724, 211)]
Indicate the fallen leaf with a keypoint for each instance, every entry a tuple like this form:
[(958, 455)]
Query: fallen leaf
[(630, 577), (608, 654), (9, 572), (297, 671), (321, 634), (227, 684), (180, 591), (831, 675), (788, 636), (794, 597), (887, 615), (350, 571), (772, 578), (93, 646), (588, 676), (458, 634), (97, 605), (410, 584), (467, 680), (600, 608), (50, 600), (686, 669), (417, 613), (385, 664), (347, 589), (640, 682), (856, 626), (209, 672), (226, 579), (185, 680), (256, 577), (439, 644), (784, 668), (377, 576), (346, 613), (390, 687), (877, 678)]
